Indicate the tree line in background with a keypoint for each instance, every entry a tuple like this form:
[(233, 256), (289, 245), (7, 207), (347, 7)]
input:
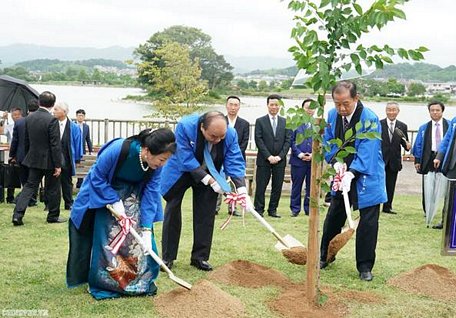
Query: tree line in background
[(103, 71)]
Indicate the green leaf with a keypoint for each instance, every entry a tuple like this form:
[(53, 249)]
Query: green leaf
[(358, 126), (359, 69), (350, 149), (358, 8), (387, 59), (324, 3), (399, 13), (355, 58), (422, 49), (348, 134)]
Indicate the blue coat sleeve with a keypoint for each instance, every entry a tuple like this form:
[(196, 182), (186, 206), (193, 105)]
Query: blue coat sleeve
[(417, 149), (151, 205), (100, 174)]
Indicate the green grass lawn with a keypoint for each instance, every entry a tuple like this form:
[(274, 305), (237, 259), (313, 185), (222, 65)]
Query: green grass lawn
[(33, 260)]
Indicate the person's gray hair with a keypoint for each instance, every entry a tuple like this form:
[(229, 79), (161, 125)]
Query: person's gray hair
[(63, 106), (393, 103)]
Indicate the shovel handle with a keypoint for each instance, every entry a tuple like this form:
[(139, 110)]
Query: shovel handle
[(268, 226), (139, 239), (351, 224)]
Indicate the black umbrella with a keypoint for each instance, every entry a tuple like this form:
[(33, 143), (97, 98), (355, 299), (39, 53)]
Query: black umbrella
[(15, 93)]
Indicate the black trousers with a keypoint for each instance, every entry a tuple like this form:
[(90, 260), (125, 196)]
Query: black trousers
[(390, 180), (263, 175), (31, 187), (204, 202), (366, 236), (66, 180)]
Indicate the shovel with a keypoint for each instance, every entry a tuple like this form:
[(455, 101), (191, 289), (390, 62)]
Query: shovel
[(156, 258), (285, 242), (341, 239)]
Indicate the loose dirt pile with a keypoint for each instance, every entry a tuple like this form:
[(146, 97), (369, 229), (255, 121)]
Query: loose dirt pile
[(247, 274), (296, 255), (204, 300), (429, 280), (338, 242), (208, 300)]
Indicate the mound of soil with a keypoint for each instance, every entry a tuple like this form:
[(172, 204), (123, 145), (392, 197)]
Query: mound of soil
[(296, 255), (247, 274), (292, 304), (203, 300), (429, 280)]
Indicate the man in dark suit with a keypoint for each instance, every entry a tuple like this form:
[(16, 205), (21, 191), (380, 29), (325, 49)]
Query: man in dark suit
[(273, 142), (425, 150), (43, 158), (17, 148), (70, 138), (242, 127), (86, 140), (394, 135)]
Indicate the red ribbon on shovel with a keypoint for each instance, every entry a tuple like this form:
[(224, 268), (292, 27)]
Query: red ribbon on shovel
[(233, 199), (125, 224)]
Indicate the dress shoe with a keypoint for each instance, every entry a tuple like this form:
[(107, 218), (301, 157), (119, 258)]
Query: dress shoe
[(366, 276), (438, 226), (168, 264), (46, 208), (201, 265), (293, 215), (32, 204), (17, 221), (389, 211), (274, 215), (57, 220), (324, 264)]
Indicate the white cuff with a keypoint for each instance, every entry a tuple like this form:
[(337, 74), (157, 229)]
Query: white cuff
[(241, 190), (206, 179), (301, 155)]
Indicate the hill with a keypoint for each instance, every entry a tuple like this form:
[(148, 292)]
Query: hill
[(418, 71), (12, 54)]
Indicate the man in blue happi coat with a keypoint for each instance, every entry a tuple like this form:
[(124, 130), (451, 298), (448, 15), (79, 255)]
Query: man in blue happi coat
[(205, 144), (364, 179)]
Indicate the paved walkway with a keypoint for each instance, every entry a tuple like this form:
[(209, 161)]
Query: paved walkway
[(408, 181)]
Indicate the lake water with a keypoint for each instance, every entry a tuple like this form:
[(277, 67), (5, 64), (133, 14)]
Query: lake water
[(106, 102)]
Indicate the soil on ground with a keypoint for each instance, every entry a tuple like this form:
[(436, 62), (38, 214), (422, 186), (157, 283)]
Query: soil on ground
[(203, 300), (208, 300), (429, 280)]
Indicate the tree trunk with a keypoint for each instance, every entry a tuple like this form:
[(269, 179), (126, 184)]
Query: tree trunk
[(313, 251)]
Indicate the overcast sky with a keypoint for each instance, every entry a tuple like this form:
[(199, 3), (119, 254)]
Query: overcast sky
[(237, 27)]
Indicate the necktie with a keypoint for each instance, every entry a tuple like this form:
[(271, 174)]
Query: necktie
[(214, 173), (274, 125), (438, 137), (346, 123), (391, 131)]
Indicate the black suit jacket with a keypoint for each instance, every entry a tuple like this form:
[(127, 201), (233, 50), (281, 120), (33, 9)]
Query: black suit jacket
[(17, 148), (242, 128), (270, 145), (392, 149), (42, 141), (86, 138)]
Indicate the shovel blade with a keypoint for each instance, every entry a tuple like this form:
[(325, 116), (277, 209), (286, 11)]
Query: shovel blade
[(291, 242), (180, 281)]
